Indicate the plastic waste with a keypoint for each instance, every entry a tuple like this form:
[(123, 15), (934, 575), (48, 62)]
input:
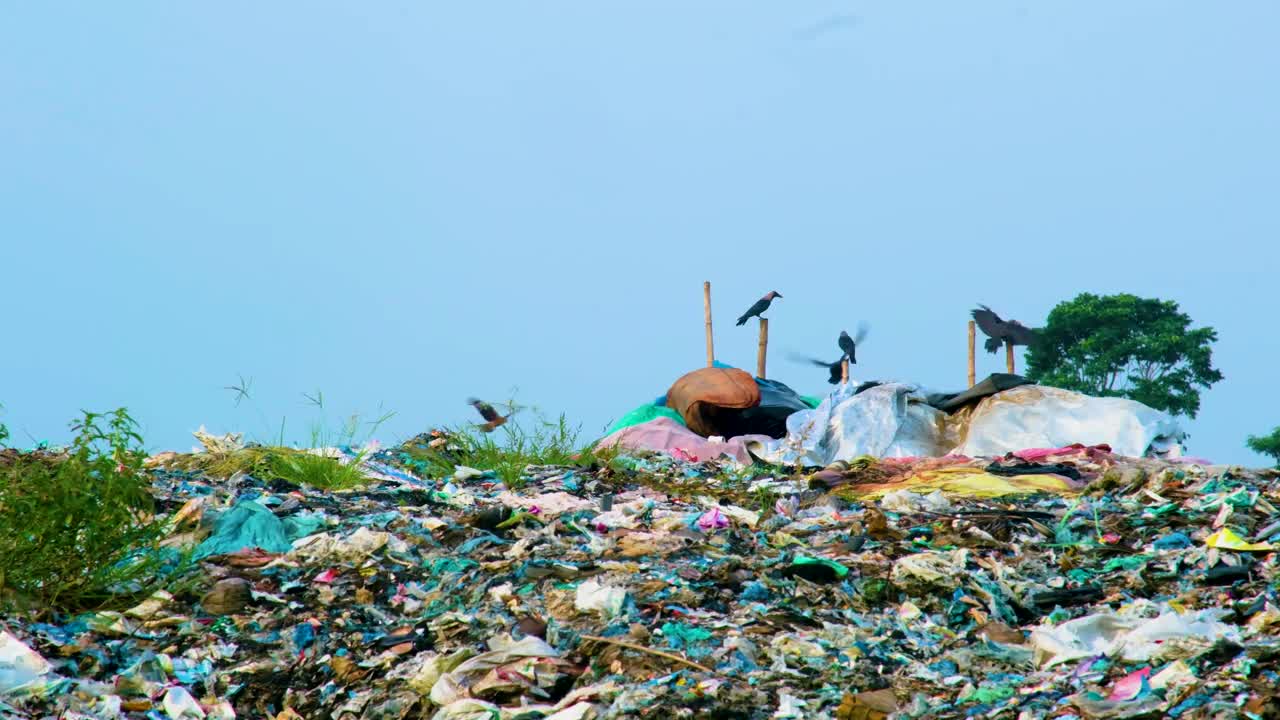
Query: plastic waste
[(20, 666), (179, 705), (454, 685), (1034, 416), (712, 519), (906, 501), (928, 569), (1227, 539), (591, 596), (246, 525), (912, 587), (644, 414), (897, 420), (1133, 639)]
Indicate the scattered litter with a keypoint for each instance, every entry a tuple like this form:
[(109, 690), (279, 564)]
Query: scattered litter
[(1066, 581)]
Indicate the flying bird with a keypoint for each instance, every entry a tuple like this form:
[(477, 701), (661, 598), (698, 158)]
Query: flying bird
[(492, 419), (1000, 331), (761, 305), (836, 372), (849, 348)]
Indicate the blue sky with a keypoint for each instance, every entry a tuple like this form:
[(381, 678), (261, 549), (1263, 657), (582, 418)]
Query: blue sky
[(411, 203)]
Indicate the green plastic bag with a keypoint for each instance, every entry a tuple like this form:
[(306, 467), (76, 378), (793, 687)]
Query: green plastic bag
[(250, 525)]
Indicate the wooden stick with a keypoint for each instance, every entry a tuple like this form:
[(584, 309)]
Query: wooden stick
[(763, 349), (651, 651), (1008, 356), (706, 312), (973, 363), (844, 371)]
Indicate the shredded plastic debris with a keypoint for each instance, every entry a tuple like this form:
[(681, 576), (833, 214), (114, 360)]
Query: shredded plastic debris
[(1086, 584)]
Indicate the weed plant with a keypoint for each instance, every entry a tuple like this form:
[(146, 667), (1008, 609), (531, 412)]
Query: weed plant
[(80, 532)]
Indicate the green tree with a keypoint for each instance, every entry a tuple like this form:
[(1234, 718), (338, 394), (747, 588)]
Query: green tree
[(1266, 445), (1126, 346)]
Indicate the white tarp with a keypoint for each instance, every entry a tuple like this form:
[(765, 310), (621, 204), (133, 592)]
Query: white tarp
[(1034, 416), (894, 420), (891, 420)]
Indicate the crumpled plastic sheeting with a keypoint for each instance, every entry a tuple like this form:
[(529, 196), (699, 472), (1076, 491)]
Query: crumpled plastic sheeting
[(891, 420), (906, 501), (229, 442), (1034, 416), (606, 599), (359, 545), (929, 570), (180, 705), (20, 666), (1132, 639), (667, 435), (452, 686)]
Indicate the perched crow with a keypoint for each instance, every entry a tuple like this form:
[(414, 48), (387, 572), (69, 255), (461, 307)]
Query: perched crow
[(849, 346), (1000, 331), (761, 305), (491, 416)]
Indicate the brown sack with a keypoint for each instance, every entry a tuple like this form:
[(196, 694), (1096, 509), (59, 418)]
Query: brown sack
[(699, 395)]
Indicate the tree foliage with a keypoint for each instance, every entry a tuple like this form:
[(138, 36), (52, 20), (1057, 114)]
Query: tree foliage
[(1266, 444), (1126, 346)]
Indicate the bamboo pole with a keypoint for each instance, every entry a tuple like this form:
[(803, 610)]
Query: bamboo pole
[(763, 349), (1008, 356), (706, 312), (844, 371), (973, 362)]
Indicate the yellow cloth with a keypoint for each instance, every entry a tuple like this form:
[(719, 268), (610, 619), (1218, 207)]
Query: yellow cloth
[(966, 482), (1226, 539)]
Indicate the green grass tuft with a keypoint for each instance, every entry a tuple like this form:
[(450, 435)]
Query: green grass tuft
[(317, 471), (507, 451)]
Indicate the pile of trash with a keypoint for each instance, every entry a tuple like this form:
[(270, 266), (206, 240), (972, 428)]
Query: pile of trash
[(1062, 582), (723, 411)]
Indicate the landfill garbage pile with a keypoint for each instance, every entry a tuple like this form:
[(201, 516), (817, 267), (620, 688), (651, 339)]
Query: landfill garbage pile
[(1059, 583), (721, 410)]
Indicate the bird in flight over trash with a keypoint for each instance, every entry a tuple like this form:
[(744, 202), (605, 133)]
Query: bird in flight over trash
[(848, 346), (832, 367), (492, 419), (999, 331), (761, 305)]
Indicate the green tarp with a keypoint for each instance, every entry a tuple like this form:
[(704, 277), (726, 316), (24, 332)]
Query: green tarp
[(645, 413)]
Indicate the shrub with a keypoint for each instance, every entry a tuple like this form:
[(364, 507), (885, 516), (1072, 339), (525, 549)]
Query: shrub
[(78, 531)]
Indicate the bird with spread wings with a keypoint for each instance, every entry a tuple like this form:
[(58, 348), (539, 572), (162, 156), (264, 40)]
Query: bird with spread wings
[(491, 417), (1000, 331)]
